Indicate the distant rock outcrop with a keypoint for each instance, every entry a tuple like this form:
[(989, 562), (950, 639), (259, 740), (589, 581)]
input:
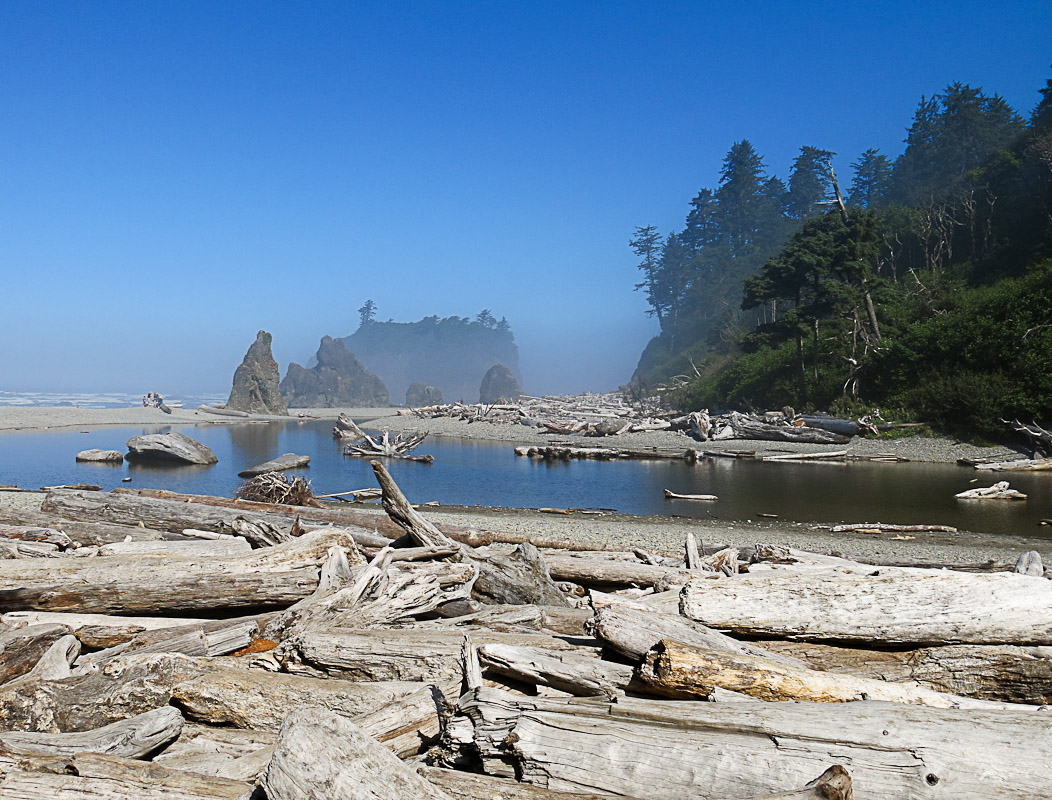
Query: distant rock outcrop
[(420, 394), (338, 379), (173, 448), (499, 385), (256, 381)]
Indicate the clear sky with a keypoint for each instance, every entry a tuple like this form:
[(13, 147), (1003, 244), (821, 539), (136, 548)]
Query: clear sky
[(175, 176)]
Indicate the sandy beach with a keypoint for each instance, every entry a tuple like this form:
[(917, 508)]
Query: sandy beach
[(658, 533)]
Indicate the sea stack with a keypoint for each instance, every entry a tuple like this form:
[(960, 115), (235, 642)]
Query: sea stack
[(256, 381), (338, 380), (499, 386), (420, 394)]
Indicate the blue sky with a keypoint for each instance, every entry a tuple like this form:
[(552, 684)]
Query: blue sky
[(175, 176)]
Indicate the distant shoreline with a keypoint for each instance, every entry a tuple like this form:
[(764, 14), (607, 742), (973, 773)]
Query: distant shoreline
[(915, 448)]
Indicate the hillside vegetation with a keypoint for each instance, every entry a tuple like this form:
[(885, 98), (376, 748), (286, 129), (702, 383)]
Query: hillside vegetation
[(922, 286)]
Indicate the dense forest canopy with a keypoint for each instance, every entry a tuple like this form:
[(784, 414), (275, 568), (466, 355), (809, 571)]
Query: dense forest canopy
[(923, 285)]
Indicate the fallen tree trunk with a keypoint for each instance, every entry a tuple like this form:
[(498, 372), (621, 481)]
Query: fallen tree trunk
[(113, 778), (273, 578), (590, 569), (569, 672), (130, 738), (746, 428), (646, 748), (986, 672), (681, 671), (889, 606), (181, 512)]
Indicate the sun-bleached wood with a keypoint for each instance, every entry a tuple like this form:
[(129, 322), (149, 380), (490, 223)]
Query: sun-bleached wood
[(676, 670), (323, 756), (131, 738), (22, 648), (687, 749), (570, 672), (891, 606)]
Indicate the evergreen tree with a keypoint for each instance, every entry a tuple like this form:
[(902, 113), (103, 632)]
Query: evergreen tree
[(367, 313), (809, 183), (869, 186), (486, 319), (647, 245), (742, 180)]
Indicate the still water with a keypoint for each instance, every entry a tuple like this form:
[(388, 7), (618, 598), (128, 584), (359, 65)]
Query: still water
[(469, 472)]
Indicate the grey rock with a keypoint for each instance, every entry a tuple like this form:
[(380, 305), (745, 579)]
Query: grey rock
[(420, 394), (279, 464), (169, 447), (256, 381), (104, 456), (337, 380), (499, 386)]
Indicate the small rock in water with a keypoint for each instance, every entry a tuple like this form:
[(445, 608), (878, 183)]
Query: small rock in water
[(101, 456), (126, 480), (170, 448)]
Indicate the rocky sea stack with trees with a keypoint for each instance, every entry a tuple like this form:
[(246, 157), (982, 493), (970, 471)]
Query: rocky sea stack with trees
[(923, 286)]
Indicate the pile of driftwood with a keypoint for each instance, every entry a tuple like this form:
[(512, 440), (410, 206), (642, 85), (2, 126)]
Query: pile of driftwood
[(173, 646), (611, 415), (362, 444)]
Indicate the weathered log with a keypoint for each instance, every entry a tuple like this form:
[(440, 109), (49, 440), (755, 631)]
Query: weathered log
[(632, 631), (53, 665), (1029, 563), (129, 685), (272, 578), (570, 672), (747, 428), (407, 725), (685, 672), (690, 749), (134, 737), (191, 547), (282, 463), (591, 569), (986, 672), (22, 648), (323, 756), (222, 752), (180, 512), (96, 630), (410, 654), (113, 778), (260, 700), (881, 527), (890, 606), (1020, 465), (86, 533), (807, 456), (213, 638), (223, 412), (670, 495), (999, 491)]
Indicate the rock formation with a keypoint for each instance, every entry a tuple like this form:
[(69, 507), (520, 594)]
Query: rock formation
[(173, 448), (256, 380), (499, 385), (338, 379), (420, 394), (101, 456)]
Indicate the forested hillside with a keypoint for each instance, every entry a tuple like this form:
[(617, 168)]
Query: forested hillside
[(921, 286), (451, 353)]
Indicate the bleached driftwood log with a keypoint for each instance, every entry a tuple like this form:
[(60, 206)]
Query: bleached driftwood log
[(409, 654), (594, 569), (272, 577), (999, 491), (131, 738), (113, 778), (95, 630), (222, 752), (632, 630), (22, 648), (321, 755), (682, 671), (580, 675), (748, 428), (987, 672), (260, 700), (670, 495), (176, 514), (889, 606), (646, 748)]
